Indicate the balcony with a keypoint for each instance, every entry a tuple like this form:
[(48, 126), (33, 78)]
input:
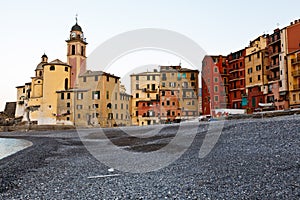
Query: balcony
[(149, 90), (296, 87), (236, 79), (295, 61), (275, 40), (273, 78), (274, 66), (296, 73)]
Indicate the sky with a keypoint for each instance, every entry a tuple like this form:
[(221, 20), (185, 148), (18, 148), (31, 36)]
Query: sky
[(33, 27)]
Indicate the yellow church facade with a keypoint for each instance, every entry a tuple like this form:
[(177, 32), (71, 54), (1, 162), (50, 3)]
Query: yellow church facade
[(55, 94)]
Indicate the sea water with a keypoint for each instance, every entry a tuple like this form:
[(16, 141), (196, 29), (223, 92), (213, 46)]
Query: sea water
[(10, 146)]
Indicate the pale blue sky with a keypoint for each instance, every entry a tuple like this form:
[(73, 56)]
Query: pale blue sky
[(28, 28)]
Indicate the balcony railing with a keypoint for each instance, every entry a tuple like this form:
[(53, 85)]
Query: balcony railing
[(296, 87), (296, 73), (273, 78), (274, 66), (295, 61)]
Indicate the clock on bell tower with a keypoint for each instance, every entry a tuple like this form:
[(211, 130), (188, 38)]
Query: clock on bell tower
[(76, 53)]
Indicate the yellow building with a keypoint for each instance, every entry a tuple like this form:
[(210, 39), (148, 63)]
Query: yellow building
[(178, 93), (256, 61), (99, 101), (293, 62), (145, 99)]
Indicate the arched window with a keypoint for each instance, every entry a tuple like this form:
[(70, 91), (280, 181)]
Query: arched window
[(109, 105), (52, 68), (73, 49), (66, 84)]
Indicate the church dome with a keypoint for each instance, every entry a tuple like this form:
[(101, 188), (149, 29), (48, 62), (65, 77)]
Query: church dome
[(44, 61), (76, 27), (40, 66)]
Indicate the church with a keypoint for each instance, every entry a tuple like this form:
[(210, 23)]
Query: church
[(68, 94)]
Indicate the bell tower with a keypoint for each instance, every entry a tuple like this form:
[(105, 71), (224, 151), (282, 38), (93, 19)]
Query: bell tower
[(76, 53)]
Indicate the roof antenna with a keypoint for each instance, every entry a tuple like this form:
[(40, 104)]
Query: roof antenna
[(180, 62), (76, 18)]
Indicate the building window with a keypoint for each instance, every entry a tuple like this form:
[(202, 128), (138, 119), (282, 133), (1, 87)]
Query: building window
[(258, 55), (66, 84), (62, 96), (137, 95), (164, 77), (79, 107), (68, 118), (216, 69), (249, 58), (82, 51), (250, 80), (121, 116), (137, 87), (95, 106), (79, 96), (116, 106), (107, 94), (68, 105), (107, 78), (66, 69), (216, 79), (96, 78), (258, 67), (137, 78), (162, 93), (153, 77), (172, 92), (192, 76), (78, 116), (148, 77), (148, 95), (84, 79), (258, 77), (216, 88), (122, 106), (127, 106), (216, 98), (162, 103), (173, 103), (68, 96), (73, 49), (168, 103), (294, 97), (183, 75), (95, 94), (52, 68), (137, 113)]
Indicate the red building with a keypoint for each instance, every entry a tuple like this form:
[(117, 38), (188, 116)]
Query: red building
[(237, 85), (170, 108), (148, 110), (293, 36), (215, 84)]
